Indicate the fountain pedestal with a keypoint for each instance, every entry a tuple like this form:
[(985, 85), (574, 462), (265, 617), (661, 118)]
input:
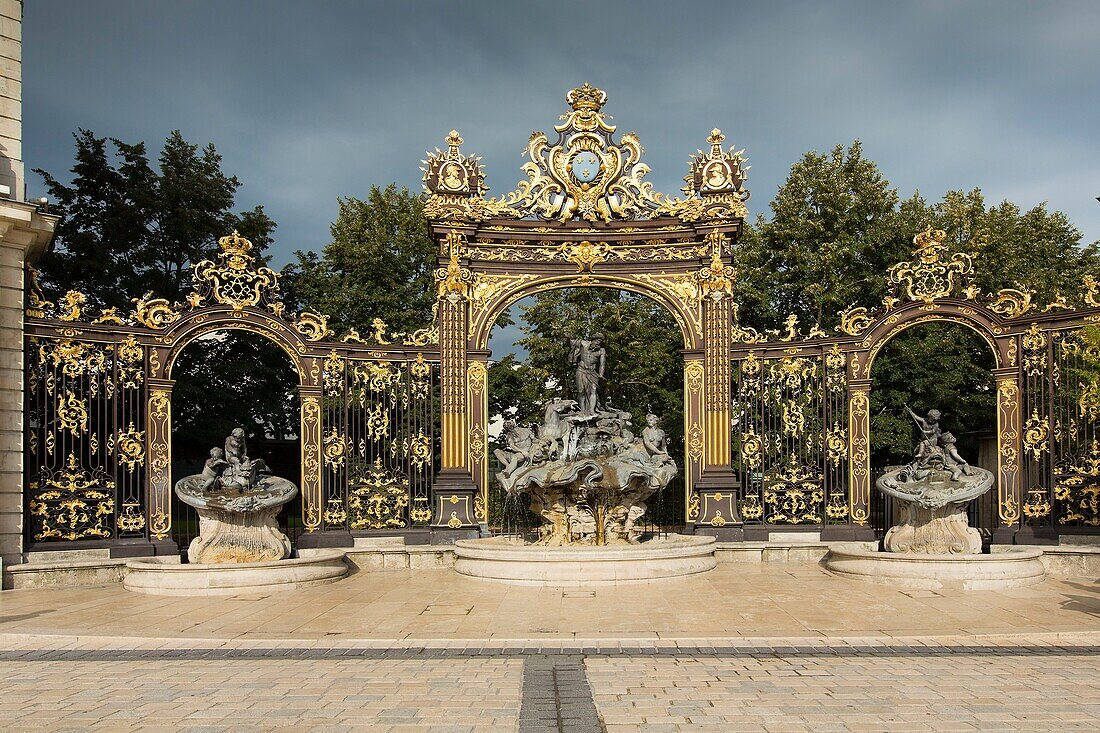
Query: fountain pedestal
[(240, 547), (934, 546)]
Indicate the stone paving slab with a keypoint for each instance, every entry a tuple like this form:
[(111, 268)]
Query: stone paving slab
[(796, 601)]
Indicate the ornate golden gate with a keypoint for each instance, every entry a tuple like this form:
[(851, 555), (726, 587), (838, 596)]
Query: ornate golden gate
[(804, 423), (777, 424), (584, 217), (99, 412)]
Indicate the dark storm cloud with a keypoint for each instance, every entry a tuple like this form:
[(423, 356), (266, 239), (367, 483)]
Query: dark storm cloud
[(308, 101)]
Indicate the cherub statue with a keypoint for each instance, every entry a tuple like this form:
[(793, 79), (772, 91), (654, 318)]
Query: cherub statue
[(955, 463), (930, 434), (213, 469)]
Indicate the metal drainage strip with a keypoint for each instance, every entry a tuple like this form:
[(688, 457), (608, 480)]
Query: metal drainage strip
[(557, 697)]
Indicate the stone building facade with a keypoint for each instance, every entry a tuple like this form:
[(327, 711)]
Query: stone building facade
[(25, 232)]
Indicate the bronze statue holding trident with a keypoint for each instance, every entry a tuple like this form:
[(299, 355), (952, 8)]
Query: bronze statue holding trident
[(587, 356)]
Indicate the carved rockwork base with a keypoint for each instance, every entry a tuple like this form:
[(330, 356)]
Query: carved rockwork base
[(226, 537), (941, 531)]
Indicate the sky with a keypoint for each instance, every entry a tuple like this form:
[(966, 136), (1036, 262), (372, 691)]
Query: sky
[(310, 101)]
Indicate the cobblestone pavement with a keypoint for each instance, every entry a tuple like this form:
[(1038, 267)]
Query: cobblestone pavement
[(821, 694), (951, 685)]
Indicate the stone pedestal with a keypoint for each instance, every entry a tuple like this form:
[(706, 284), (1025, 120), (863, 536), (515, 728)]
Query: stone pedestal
[(939, 531), (226, 536)]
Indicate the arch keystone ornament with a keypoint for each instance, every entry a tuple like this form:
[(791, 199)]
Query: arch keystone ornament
[(585, 216)]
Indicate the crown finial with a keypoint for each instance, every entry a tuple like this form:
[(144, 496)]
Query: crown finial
[(236, 249), (586, 97), (929, 237)]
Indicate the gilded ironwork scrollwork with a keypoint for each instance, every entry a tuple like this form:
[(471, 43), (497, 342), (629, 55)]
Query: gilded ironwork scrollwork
[(793, 494), (72, 503), (236, 281), (934, 272), (377, 498)]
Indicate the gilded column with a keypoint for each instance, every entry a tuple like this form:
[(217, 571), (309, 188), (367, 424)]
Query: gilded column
[(1008, 453), (158, 422), (718, 485), (311, 458), (693, 434), (859, 442), (454, 488)]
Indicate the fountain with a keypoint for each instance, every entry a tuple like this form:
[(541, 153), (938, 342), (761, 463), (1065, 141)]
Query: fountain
[(588, 476), (240, 546), (934, 544)]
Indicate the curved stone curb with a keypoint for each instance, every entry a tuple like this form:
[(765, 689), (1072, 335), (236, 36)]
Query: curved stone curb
[(1018, 567), (154, 576), (499, 559)]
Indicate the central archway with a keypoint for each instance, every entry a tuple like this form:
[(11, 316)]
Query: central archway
[(644, 374), (575, 223)]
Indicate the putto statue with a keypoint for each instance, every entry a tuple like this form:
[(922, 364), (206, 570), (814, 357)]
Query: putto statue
[(586, 471), (934, 490), (238, 500)]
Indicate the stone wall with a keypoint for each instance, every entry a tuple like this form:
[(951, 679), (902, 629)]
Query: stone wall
[(11, 114), (11, 290)]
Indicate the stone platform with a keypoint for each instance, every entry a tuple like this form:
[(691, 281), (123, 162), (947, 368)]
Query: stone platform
[(507, 560), (1013, 568), (161, 577)]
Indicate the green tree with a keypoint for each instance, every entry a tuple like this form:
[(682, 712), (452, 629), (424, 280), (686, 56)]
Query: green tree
[(128, 229), (837, 226), (379, 264), (830, 238)]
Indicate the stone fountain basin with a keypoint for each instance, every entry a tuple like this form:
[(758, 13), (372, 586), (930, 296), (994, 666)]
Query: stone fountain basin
[(508, 560), (161, 577), (1018, 567)]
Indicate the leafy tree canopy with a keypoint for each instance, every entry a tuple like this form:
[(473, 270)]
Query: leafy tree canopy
[(128, 228), (836, 227), (379, 264)]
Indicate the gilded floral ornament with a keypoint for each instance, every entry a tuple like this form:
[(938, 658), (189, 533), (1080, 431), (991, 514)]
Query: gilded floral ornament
[(854, 320), (716, 280), (71, 305), (585, 254), (154, 312), (934, 272), (71, 503), (1035, 435), (131, 448), (1011, 303), (235, 280), (377, 498), (1091, 293), (312, 326), (793, 494), (453, 281), (1037, 504), (37, 304)]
